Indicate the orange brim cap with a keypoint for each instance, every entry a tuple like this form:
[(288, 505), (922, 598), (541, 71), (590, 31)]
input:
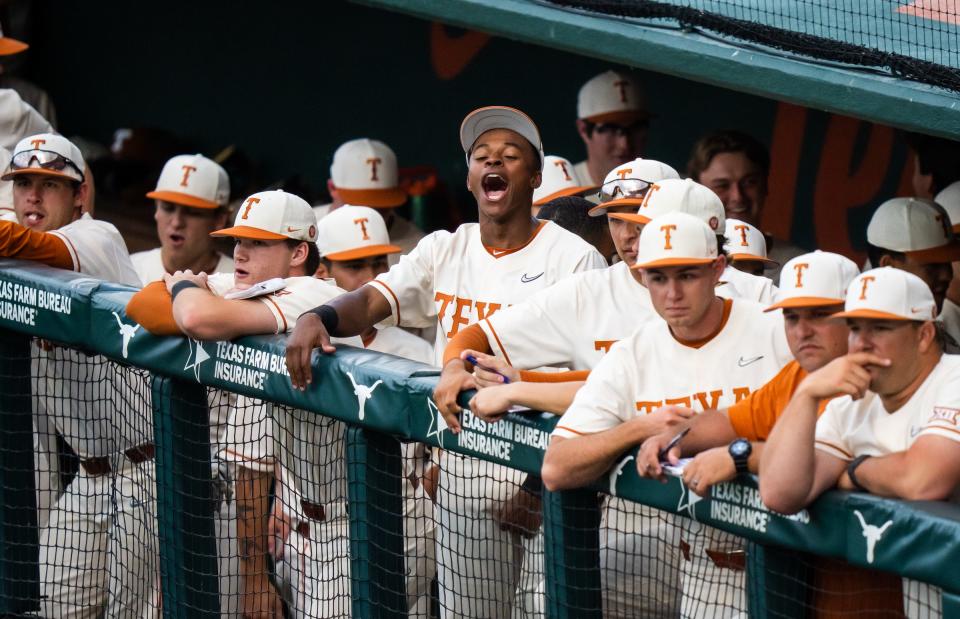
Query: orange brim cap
[(624, 118), (39, 172), (363, 252), (569, 191), (9, 46), (673, 262), (635, 218), (945, 253), (376, 198), (246, 232), (869, 313), (800, 302), (767, 262), (185, 199), (956, 228)]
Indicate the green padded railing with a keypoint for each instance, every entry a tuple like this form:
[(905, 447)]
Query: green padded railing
[(923, 541)]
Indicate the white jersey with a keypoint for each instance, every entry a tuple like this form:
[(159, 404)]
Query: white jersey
[(453, 280), (950, 317), (149, 265), (849, 428), (736, 284), (396, 341), (98, 250), (573, 323), (651, 368)]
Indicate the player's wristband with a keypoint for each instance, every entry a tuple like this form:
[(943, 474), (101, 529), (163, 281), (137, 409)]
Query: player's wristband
[(852, 472), (181, 286), (328, 316)]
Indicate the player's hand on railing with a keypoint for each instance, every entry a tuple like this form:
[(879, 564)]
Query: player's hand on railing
[(259, 599), (708, 468), (307, 334), (493, 403), (648, 458), (847, 375), (489, 370), (453, 379), (521, 513), (200, 279), (279, 526)]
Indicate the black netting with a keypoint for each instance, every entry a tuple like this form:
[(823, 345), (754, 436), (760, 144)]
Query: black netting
[(913, 40)]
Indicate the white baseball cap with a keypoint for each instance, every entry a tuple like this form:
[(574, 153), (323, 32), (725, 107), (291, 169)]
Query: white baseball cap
[(679, 195), (484, 119), (889, 294), (745, 243), (949, 199), (612, 97), (676, 239), (816, 279), (9, 47), (626, 184), (192, 180), (916, 227), (365, 172), (352, 232), (46, 154), (559, 180), (273, 216)]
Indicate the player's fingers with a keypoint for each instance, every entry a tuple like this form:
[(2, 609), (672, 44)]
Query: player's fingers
[(293, 365), (673, 456), (867, 358)]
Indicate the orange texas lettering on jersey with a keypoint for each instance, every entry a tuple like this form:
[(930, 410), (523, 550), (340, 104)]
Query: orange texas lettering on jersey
[(461, 310), (604, 345), (706, 399)]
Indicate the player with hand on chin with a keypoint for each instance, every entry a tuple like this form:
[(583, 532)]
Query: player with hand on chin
[(453, 280)]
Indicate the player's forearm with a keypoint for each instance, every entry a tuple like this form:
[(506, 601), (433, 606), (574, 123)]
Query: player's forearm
[(17, 241), (253, 512), (901, 476), (548, 397), (709, 429), (202, 315), (787, 465), (577, 462), (359, 310)]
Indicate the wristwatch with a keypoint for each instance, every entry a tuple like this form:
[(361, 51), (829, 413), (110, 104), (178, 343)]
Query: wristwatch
[(740, 451)]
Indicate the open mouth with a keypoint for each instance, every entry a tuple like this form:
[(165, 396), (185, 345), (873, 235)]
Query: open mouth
[(33, 219), (176, 239), (240, 274), (494, 187)]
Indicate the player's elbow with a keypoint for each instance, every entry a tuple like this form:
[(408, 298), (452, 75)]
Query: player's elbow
[(556, 471), (780, 497), (201, 324)]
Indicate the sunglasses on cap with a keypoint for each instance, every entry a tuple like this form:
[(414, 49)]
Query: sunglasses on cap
[(623, 188), (45, 159)]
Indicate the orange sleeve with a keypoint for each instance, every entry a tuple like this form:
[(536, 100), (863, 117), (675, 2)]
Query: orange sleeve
[(471, 338), (753, 417), (152, 308), (554, 377), (18, 241)]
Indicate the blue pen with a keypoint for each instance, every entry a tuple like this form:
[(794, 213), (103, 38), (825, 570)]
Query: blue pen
[(474, 361)]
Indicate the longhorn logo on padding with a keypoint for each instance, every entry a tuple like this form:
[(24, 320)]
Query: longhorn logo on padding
[(127, 332), (363, 393), (872, 532)]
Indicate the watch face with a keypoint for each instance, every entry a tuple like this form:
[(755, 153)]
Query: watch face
[(739, 448)]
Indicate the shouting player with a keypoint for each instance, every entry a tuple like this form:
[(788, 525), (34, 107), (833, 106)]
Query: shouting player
[(453, 280)]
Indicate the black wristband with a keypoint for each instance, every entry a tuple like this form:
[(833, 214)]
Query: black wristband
[(851, 472), (181, 286), (532, 485), (328, 316)]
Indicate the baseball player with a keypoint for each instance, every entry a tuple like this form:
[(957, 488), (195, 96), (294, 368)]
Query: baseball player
[(275, 233), (892, 428), (728, 348), (191, 202), (453, 280), (97, 541), (612, 120), (559, 180), (364, 172), (747, 248)]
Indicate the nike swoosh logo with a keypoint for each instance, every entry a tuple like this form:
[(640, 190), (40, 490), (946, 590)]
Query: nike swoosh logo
[(289, 229), (745, 362), (526, 279)]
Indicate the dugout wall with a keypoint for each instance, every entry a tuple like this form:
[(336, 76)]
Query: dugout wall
[(61, 309)]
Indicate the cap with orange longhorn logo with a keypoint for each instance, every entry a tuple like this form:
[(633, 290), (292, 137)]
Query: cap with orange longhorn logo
[(889, 294), (364, 172), (273, 216), (353, 232), (559, 180), (612, 97), (676, 239), (745, 243), (194, 181), (817, 279), (46, 154)]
